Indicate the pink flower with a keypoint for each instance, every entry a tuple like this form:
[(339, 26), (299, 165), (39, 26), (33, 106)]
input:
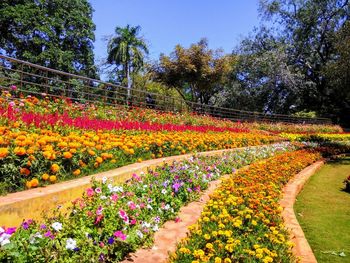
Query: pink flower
[(133, 222), (114, 197), (120, 234), (90, 192), (13, 87), (132, 205)]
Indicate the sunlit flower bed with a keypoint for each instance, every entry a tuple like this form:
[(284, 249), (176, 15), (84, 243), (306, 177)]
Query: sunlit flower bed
[(45, 105), (31, 156), (343, 137), (110, 221), (242, 221), (296, 128)]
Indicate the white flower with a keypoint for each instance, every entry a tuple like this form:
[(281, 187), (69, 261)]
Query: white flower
[(2, 230), (4, 242), (149, 207), (32, 238), (145, 224), (110, 188), (103, 197), (57, 226), (155, 228), (145, 186), (163, 191), (118, 189), (104, 179), (166, 207), (71, 244), (139, 234), (4, 239)]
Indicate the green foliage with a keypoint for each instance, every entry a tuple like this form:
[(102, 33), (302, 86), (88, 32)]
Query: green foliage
[(298, 60), (307, 114), (197, 73), (57, 34)]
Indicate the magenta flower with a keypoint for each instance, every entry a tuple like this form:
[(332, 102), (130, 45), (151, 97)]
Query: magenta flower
[(120, 234), (90, 192)]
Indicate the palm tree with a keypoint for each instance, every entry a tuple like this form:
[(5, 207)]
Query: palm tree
[(127, 49)]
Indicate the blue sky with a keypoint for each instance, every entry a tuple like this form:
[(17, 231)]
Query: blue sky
[(165, 23)]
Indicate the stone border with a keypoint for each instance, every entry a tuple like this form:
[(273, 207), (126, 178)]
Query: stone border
[(302, 248), (34, 203)]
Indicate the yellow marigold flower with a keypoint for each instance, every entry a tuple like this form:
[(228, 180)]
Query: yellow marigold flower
[(91, 152), (53, 178), (76, 172), (29, 184), (227, 260), (55, 168), (217, 260), (206, 236), (209, 246), (4, 152), (19, 151), (113, 161), (99, 160), (267, 259), (45, 177), (67, 155)]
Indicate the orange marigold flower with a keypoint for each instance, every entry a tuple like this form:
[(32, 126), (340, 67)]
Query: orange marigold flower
[(67, 155), (55, 168), (91, 152), (99, 160), (24, 171), (34, 182), (76, 172), (3, 152)]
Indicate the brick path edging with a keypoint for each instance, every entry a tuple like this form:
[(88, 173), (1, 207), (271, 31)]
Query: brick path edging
[(302, 248)]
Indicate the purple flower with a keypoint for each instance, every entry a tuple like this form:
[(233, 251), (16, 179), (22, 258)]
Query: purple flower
[(10, 230), (43, 226), (101, 258), (176, 187), (110, 240), (49, 235), (76, 249), (189, 190), (157, 219)]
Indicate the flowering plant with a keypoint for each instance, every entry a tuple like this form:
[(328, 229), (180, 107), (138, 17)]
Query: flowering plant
[(110, 221)]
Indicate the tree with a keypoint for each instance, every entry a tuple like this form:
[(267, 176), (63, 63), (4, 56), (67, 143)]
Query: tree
[(309, 28), (263, 78), (58, 34), (197, 73), (127, 50)]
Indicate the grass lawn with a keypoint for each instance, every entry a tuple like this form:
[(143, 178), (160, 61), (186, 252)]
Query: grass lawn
[(323, 211)]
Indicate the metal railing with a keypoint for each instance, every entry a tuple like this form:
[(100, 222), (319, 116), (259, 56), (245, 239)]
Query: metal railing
[(32, 79)]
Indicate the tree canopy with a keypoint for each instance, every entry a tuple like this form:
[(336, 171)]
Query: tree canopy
[(289, 64), (197, 73), (126, 51), (58, 34)]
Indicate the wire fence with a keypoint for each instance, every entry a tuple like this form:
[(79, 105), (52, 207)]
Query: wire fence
[(32, 79)]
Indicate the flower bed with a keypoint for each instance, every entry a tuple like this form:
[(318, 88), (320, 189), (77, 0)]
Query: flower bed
[(31, 156), (242, 221), (110, 221)]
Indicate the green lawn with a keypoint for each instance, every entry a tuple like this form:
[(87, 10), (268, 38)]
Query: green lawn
[(323, 211)]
